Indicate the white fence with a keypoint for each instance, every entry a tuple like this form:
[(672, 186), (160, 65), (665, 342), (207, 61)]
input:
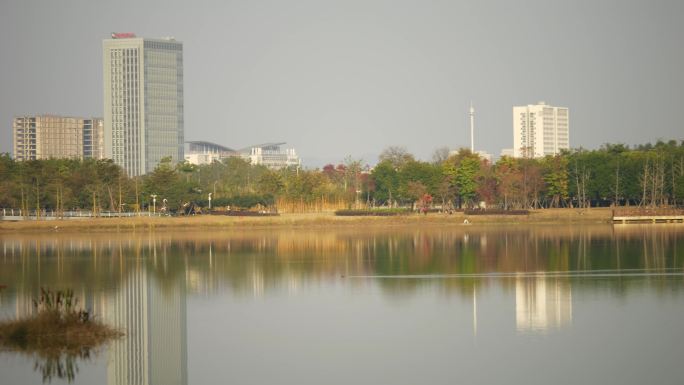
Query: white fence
[(12, 214)]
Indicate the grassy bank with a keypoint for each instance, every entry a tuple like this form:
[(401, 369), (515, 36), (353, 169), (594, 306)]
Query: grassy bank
[(550, 216)]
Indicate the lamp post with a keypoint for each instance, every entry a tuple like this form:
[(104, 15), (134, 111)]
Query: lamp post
[(154, 203), (209, 201)]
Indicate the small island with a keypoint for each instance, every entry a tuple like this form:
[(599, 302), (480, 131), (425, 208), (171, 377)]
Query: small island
[(56, 333)]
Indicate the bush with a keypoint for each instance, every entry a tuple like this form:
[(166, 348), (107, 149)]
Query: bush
[(496, 212), (373, 212), (244, 201)]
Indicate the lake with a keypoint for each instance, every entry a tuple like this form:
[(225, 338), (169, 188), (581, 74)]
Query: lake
[(396, 305)]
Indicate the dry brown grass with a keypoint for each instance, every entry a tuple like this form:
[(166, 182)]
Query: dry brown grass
[(594, 215), (51, 332)]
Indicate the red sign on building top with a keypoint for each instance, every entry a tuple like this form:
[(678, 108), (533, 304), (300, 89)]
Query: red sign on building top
[(122, 35)]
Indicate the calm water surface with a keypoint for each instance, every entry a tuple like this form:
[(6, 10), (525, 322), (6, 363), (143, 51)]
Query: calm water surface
[(459, 305)]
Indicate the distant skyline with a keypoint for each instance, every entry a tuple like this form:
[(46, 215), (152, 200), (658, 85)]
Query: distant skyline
[(339, 78)]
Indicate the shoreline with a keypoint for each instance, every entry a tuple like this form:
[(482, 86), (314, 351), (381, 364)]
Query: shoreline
[(327, 219)]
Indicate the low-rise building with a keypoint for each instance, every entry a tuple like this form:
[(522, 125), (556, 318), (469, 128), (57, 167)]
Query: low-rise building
[(202, 152), (49, 136), (271, 155), (507, 152)]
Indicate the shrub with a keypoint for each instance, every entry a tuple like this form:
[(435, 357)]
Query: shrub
[(373, 212)]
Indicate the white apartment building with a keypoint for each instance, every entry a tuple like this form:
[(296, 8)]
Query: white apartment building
[(143, 101), (540, 130)]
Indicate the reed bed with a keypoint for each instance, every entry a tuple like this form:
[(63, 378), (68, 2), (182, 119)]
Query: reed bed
[(56, 326)]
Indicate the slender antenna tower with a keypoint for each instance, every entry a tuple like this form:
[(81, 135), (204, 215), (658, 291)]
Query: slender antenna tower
[(472, 128)]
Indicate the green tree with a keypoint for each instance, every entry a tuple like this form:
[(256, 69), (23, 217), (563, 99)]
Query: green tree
[(415, 192), (463, 169), (509, 182), (270, 182), (556, 178), (386, 180), (397, 156)]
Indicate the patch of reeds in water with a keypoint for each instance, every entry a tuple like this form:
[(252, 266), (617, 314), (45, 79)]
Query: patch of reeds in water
[(57, 334)]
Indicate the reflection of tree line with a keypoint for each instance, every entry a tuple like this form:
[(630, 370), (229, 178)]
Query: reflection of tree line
[(254, 261), (82, 264), (101, 267)]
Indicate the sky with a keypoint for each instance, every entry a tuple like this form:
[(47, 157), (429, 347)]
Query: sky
[(345, 78)]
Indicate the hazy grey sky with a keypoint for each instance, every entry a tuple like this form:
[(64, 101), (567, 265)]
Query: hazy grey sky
[(338, 78)]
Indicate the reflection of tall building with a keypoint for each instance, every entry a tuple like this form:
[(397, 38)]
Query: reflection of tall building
[(23, 304), (127, 310), (542, 304), (168, 334), (154, 350)]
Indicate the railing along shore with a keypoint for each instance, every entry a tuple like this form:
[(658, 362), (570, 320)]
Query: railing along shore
[(12, 214), (648, 214)]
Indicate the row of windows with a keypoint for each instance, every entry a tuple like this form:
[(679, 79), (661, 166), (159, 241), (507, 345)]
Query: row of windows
[(120, 87), (162, 63), (169, 46), (130, 102), (123, 78), (117, 113), (121, 92), (118, 108), (167, 92)]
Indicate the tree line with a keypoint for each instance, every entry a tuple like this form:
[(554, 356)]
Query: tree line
[(615, 174)]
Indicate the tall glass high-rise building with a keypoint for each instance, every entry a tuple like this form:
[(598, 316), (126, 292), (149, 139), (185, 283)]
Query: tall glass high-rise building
[(143, 101)]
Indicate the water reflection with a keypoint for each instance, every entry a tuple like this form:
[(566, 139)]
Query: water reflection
[(542, 304), (154, 318), (128, 286), (56, 365), (140, 282)]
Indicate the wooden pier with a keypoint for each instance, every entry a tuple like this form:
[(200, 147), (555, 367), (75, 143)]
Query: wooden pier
[(648, 215)]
